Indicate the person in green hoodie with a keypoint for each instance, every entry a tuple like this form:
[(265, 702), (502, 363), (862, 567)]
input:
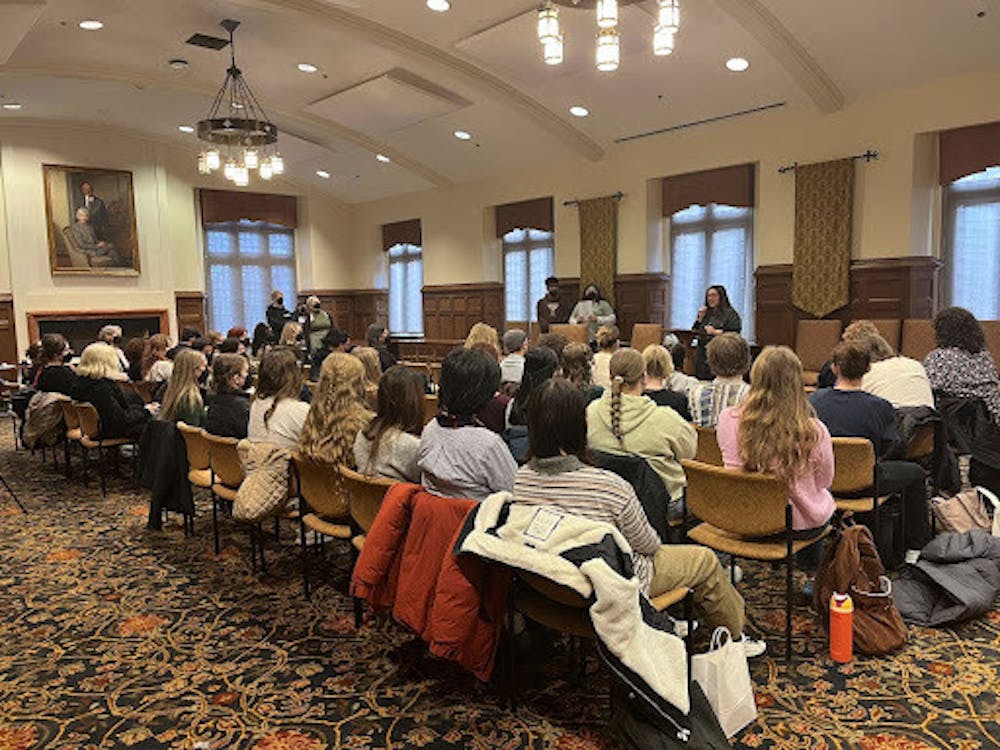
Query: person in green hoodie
[(624, 421)]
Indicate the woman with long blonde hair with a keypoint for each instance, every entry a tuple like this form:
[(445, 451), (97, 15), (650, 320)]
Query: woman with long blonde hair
[(481, 333), (183, 401), (290, 335), (337, 412), (373, 373), (775, 430)]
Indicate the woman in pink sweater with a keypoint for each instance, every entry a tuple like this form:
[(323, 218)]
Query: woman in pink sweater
[(775, 430)]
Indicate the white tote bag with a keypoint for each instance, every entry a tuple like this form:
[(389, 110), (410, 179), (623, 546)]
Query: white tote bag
[(724, 676)]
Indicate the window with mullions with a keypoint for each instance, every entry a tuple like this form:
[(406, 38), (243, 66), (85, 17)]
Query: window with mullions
[(406, 280), (244, 262), (711, 245), (528, 259), (972, 244)]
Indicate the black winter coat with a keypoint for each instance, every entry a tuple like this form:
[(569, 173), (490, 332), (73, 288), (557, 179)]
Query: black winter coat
[(121, 417)]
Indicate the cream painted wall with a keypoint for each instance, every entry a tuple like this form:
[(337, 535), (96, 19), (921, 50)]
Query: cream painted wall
[(170, 240), (895, 204)]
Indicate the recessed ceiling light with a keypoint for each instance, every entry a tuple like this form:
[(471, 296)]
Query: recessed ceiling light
[(462, 135), (439, 5), (177, 63), (578, 111), (737, 64), (323, 173), (307, 68), (185, 128), (91, 25), (383, 158), (12, 105)]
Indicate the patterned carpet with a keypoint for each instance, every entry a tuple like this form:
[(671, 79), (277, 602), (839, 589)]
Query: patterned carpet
[(114, 637)]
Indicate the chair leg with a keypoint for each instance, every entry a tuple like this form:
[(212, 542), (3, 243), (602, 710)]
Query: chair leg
[(305, 558), (101, 458), (789, 568), (215, 522), (66, 456)]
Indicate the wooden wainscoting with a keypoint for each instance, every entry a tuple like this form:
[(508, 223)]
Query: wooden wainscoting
[(8, 334), (426, 350), (451, 310), (353, 310), (641, 298), (880, 288), (190, 308)]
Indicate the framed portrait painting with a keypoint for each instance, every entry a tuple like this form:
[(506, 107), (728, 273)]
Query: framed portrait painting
[(91, 221)]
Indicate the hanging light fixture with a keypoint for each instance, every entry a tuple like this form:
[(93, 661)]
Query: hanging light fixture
[(548, 23), (553, 51), (237, 123), (609, 52), (667, 23), (607, 14)]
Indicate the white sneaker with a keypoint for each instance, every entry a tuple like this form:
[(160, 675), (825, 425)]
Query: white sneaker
[(752, 648), (911, 556), (735, 578)]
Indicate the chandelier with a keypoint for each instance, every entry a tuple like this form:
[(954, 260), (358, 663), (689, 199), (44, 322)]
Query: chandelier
[(241, 137), (609, 53)]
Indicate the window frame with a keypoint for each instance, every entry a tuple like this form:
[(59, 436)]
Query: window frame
[(953, 198), (409, 254), (525, 247)]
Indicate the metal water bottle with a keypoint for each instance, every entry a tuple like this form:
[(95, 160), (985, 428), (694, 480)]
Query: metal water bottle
[(841, 627)]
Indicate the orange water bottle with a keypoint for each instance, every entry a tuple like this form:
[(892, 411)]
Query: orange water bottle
[(841, 628)]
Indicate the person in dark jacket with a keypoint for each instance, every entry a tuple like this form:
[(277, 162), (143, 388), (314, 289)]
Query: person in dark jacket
[(659, 368), (378, 338), (228, 404), (188, 337), (277, 315), (551, 308), (98, 382), (335, 341), (55, 376), (540, 364), (715, 317)]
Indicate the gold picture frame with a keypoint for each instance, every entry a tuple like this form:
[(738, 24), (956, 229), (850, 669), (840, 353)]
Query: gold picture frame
[(90, 217)]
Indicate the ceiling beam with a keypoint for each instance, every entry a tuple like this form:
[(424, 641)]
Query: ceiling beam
[(482, 80), (765, 27)]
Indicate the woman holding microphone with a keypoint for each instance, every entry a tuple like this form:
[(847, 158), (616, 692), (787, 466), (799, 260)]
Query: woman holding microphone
[(715, 316)]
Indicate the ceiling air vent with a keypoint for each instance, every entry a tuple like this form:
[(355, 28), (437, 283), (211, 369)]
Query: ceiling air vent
[(208, 42)]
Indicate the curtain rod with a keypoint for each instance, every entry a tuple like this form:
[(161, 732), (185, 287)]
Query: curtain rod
[(576, 201), (868, 155)]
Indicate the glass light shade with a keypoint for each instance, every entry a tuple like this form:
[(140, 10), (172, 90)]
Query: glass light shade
[(609, 51), (241, 176), (203, 164), (669, 15), (265, 170), (212, 159), (251, 158), (554, 51), (663, 40), (548, 23), (229, 171), (607, 13), (277, 164)]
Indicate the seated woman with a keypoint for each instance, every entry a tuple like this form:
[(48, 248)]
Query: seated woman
[(459, 456), (134, 349), (276, 413), (607, 345), (334, 341), (373, 373), (576, 368), (593, 311), (183, 401), (729, 360), (557, 475), (377, 337), (388, 445), (337, 412), (623, 421), (540, 364), (659, 368), (291, 336), (156, 367), (228, 412), (775, 430), (961, 366), (54, 376), (99, 376), (481, 333)]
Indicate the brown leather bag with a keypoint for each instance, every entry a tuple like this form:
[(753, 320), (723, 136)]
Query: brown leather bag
[(851, 564)]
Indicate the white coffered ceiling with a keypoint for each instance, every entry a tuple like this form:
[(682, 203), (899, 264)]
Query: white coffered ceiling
[(399, 79)]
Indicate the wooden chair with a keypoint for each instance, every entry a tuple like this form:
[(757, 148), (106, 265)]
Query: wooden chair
[(324, 506), (708, 451), (73, 432), (746, 515), (644, 334), (430, 407), (917, 338), (855, 479), (890, 329), (921, 445), (814, 343), (90, 439), (574, 333), (199, 461), (227, 476)]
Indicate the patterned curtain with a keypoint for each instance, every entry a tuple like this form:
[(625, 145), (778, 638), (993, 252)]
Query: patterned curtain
[(824, 216), (599, 244)]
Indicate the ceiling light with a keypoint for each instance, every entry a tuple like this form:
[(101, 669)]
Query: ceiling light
[(607, 14), (12, 105), (91, 25), (552, 51), (177, 63), (737, 64), (609, 51), (463, 135), (307, 68), (439, 5), (323, 173), (577, 111), (548, 22), (185, 128), (383, 158)]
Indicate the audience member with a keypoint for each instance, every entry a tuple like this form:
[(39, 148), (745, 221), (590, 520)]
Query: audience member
[(216, 338), (262, 340), (377, 337), (318, 322), (551, 308), (729, 359), (112, 336), (276, 413), (481, 333), (623, 422), (277, 315), (459, 456), (291, 335), (373, 373), (228, 409), (232, 345), (54, 375), (847, 411), (899, 380), (515, 344), (961, 366), (593, 311), (680, 381), (183, 401), (389, 444), (334, 341), (237, 332), (659, 368), (156, 367), (554, 341), (576, 368), (557, 475), (134, 349), (188, 337), (32, 363), (98, 382), (607, 344), (337, 412), (540, 364)]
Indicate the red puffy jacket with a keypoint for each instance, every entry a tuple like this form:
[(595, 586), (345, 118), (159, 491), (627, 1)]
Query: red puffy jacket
[(457, 605)]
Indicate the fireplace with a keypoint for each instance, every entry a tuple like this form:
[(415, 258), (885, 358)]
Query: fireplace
[(80, 327)]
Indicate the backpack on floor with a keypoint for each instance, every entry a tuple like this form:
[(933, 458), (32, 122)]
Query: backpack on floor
[(635, 725), (851, 565)]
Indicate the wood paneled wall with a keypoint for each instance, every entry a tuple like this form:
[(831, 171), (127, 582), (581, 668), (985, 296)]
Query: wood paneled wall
[(353, 310), (880, 288), (8, 336), (190, 308), (641, 298), (451, 310)]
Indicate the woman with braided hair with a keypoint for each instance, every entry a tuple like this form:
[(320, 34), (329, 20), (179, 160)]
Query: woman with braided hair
[(624, 421), (337, 412)]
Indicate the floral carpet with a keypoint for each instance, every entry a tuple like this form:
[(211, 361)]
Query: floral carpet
[(115, 637)]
